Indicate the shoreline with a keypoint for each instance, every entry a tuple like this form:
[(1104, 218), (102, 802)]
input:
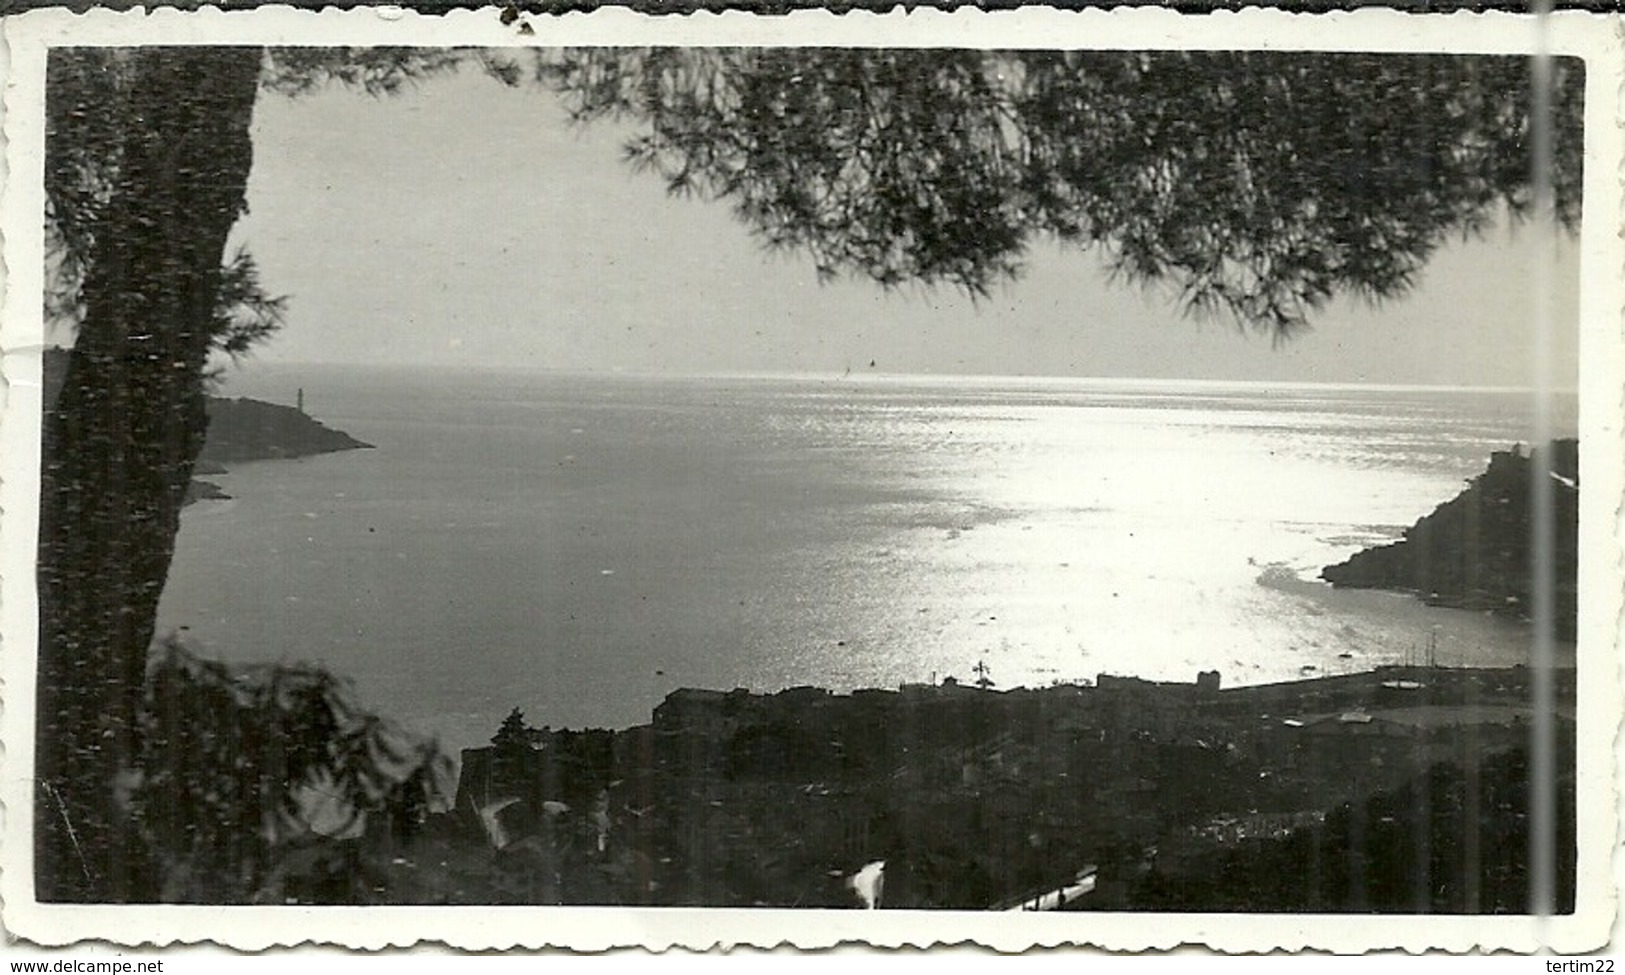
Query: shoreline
[(972, 796), (1336, 686), (463, 728)]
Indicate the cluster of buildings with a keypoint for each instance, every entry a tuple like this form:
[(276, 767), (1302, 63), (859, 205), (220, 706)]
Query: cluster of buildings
[(970, 795)]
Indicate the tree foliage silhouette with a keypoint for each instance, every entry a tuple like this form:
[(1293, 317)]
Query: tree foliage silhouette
[(240, 764), (148, 153), (1253, 185), (1257, 185)]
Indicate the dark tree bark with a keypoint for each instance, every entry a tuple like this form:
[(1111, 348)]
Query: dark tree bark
[(120, 444)]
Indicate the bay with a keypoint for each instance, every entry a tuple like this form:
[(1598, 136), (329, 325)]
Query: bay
[(579, 545)]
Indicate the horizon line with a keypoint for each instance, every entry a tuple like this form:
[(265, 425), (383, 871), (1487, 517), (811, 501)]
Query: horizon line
[(856, 376)]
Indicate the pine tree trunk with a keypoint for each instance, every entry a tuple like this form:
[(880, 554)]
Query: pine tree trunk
[(119, 449)]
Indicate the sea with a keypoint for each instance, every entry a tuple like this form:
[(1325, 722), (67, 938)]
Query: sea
[(580, 545)]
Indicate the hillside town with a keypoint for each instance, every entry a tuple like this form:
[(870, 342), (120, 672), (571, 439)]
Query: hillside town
[(1103, 796)]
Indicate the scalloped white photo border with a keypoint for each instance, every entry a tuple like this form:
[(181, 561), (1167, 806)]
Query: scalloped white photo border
[(1597, 39)]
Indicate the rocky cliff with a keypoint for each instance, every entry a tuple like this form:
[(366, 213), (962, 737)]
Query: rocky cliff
[(1474, 550)]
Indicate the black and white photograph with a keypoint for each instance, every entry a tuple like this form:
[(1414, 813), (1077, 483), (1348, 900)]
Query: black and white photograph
[(1055, 478)]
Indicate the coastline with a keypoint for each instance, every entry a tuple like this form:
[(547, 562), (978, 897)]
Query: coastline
[(868, 579)]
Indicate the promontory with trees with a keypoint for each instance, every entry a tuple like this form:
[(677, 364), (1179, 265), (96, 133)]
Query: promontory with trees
[(1475, 550)]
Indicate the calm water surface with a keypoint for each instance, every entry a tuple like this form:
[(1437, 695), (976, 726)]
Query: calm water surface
[(579, 546)]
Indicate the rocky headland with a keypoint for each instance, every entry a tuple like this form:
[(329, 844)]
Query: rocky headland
[(1475, 550), (240, 430), (249, 429)]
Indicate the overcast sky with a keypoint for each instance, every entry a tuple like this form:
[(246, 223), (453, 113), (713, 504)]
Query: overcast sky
[(465, 223)]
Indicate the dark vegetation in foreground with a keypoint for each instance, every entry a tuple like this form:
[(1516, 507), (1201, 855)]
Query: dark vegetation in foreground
[(1451, 840), (1404, 789), (1474, 551)]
